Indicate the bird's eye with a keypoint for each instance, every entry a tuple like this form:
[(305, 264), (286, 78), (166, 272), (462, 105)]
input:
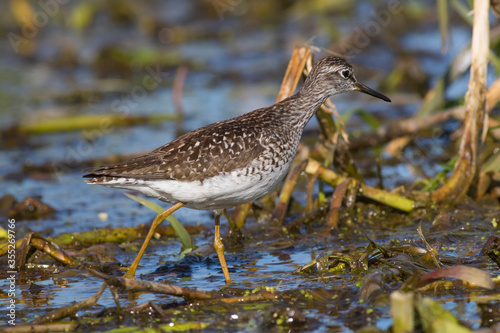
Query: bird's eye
[(345, 74)]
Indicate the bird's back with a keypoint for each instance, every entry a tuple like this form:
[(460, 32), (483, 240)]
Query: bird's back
[(238, 159)]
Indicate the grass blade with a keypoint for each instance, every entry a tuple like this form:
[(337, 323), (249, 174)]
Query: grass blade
[(184, 237), (443, 22)]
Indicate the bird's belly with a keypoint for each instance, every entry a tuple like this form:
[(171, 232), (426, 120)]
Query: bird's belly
[(222, 191)]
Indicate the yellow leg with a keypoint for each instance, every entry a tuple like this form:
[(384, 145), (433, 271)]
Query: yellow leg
[(156, 222), (219, 248)]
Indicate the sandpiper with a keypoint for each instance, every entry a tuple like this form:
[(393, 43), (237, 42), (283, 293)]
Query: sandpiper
[(230, 162)]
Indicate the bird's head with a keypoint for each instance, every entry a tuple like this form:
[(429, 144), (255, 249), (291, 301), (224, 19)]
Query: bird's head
[(334, 75)]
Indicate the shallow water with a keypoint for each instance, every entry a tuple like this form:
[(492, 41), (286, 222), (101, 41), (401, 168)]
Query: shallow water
[(237, 65)]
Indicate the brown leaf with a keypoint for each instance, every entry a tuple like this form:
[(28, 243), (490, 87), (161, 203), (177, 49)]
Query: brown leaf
[(465, 273)]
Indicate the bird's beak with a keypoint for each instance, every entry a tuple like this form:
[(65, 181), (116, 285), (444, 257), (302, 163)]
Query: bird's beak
[(364, 89)]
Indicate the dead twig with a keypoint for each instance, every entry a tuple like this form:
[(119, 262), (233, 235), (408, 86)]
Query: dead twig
[(402, 127), (186, 293), (47, 328), (147, 286), (147, 307), (430, 250), (71, 309)]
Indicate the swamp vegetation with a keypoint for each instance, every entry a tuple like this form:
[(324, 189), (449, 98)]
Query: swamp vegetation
[(387, 221)]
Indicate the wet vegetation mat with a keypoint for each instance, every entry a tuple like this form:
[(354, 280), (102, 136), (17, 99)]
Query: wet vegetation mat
[(387, 221), (428, 268)]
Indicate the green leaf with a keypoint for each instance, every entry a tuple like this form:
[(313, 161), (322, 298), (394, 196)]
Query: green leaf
[(434, 99), (367, 117), (492, 164), (440, 178), (436, 319), (3, 233), (170, 327), (462, 10), (88, 121), (495, 61), (151, 205), (182, 233), (184, 252), (82, 15)]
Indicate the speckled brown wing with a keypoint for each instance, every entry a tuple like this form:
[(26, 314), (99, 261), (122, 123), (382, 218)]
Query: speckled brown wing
[(206, 152)]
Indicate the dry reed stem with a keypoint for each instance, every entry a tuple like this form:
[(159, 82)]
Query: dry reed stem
[(180, 77), (294, 72), (384, 197), (310, 202), (286, 192), (240, 214), (464, 171), (177, 92), (45, 246), (332, 218), (402, 311)]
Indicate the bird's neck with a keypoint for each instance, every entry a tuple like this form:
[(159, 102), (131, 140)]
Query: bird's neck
[(301, 107)]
